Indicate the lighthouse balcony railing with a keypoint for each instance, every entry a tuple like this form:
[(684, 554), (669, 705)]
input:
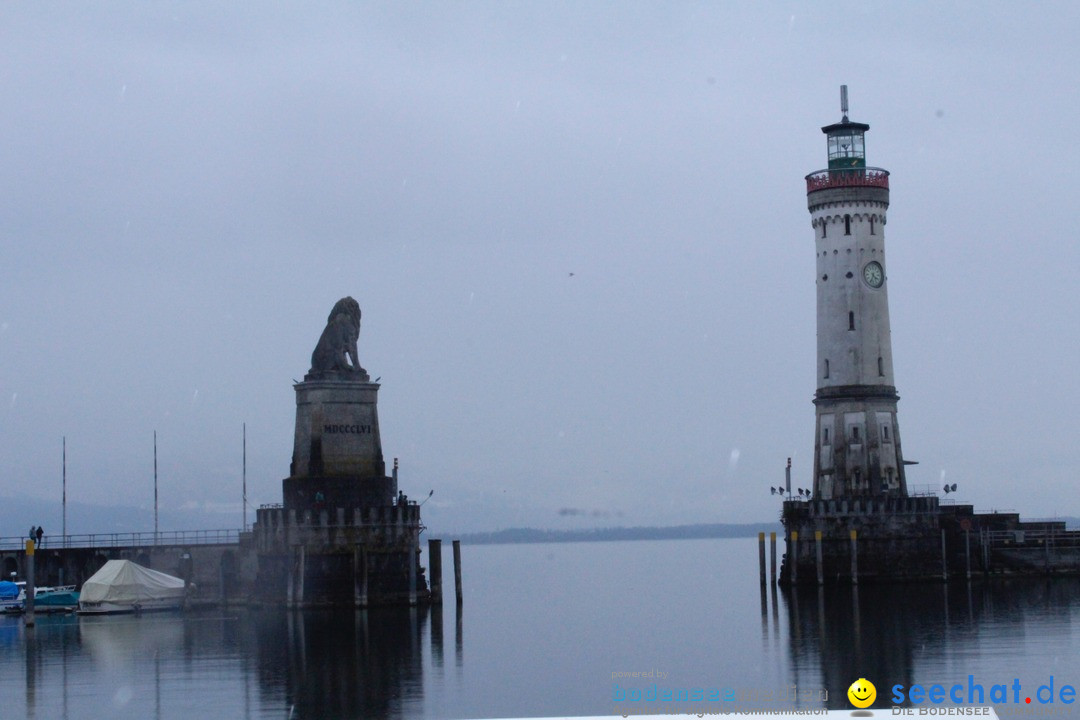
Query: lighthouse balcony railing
[(847, 177)]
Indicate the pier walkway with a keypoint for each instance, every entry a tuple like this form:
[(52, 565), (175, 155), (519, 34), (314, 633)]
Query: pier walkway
[(126, 540)]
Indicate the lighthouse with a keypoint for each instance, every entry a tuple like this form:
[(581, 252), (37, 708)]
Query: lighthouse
[(857, 447), (859, 524)]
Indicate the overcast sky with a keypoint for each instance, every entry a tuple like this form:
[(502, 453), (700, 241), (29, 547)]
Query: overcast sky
[(577, 231)]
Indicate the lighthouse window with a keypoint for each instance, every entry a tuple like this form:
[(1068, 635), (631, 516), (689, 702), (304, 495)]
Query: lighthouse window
[(885, 433), (826, 367), (847, 224), (825, 437), (823, 224), (855, 433), (871, 224), (880, 367), (850, 320)]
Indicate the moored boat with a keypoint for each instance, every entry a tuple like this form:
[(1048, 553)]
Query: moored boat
[(12, 596), (62, 598), (122, 586)]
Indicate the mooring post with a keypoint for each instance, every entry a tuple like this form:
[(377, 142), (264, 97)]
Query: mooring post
[(457, 570), (434, 548), (944, 559), (820, 561), (300, 577), (761, 555), (854, 557), (28, 609), (290, 581), (793, 557), (414, 551), (764, 613), (967, 552), (360, 577), (772, 558)]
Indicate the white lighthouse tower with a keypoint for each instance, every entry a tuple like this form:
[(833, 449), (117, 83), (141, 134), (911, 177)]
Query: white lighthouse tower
[(857, 447)]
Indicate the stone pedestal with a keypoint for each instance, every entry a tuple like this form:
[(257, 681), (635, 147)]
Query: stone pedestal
[(337, 453)]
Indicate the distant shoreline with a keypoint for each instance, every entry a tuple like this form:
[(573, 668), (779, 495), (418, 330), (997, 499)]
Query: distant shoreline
[(512, 536)]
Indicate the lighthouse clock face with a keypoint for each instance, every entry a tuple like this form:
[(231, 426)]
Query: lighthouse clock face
[(873, 274)]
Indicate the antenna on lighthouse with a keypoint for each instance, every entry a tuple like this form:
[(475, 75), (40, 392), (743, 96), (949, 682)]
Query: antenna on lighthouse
[(843, 101)]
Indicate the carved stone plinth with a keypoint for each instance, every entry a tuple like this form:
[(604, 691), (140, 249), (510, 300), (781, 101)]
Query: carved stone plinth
[(337, 453)]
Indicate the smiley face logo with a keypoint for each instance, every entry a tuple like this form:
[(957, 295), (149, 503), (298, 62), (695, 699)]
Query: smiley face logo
[(862, 693)]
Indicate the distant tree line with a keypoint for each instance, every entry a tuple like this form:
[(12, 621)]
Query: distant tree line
[(675, 532)]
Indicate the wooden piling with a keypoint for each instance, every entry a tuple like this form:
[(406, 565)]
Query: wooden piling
[(413, 552), (761, 555), (944, 559), (28, 608), (854, 558), (457, 570), (820, 560), (290, 581), (360, 577), (967, 552), (764, 613), (772, 558), (435, 568), (301, 577), (793, 557)]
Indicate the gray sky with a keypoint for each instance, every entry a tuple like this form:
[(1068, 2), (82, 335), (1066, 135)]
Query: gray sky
[(188, 188)]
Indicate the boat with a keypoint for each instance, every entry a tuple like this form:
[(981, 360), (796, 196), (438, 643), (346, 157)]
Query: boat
[(62, 598), (12, 596), (122, 586)]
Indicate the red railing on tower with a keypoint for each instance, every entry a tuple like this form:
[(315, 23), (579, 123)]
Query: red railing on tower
[(853, 177)]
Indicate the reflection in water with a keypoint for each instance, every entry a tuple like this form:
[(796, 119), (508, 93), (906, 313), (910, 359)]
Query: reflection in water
[(458, 657), (343, 664), (245, 664), (563, 646), (847, 633), (118, 641), (436, 636)]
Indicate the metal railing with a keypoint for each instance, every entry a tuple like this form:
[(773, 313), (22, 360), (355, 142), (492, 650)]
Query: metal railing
[(129, 539), (845, 177), (1032, 538)]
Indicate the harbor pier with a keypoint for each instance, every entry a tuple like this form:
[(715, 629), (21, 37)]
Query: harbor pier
[(879, 539), (344, 534), (219, 563)]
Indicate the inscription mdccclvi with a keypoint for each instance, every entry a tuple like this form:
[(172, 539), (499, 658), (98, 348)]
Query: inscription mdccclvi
[(349, 429)]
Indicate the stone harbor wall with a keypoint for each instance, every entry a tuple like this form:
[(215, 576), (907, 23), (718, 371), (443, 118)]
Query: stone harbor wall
[(905, 539)]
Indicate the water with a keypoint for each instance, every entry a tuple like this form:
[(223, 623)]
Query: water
[(542, 631)]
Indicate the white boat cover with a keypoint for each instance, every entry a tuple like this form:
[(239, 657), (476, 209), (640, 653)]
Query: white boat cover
[(124, 583)]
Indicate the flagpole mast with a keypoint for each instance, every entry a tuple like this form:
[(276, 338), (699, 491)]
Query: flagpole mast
[(64, 495), (245, 478), (155, 490)]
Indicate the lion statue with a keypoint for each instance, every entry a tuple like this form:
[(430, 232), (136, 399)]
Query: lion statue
[(336, 350)]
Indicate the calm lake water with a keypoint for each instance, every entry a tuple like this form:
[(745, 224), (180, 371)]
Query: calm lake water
[(542, 631)]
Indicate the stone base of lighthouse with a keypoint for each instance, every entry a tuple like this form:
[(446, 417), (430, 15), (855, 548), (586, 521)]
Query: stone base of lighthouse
[(870, 540)]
